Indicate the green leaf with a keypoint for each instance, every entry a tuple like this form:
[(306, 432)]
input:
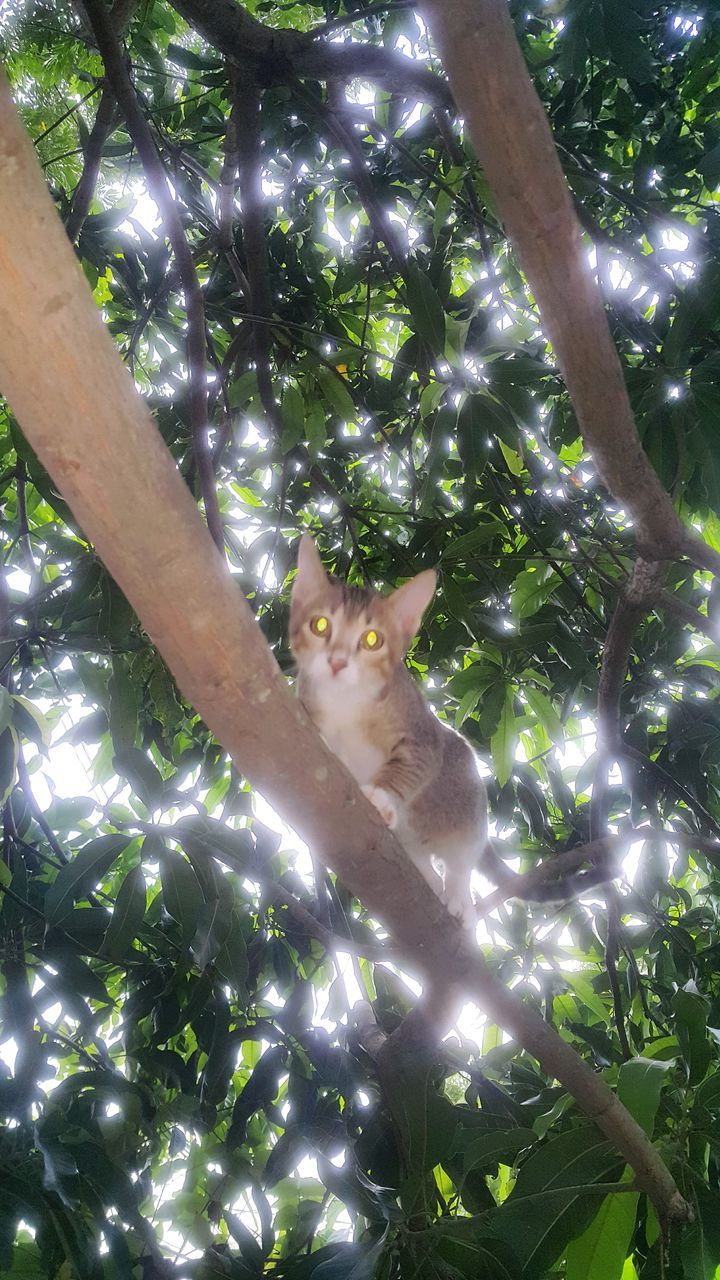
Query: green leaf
[(456, 332), (351, 1262), (122, 713), (691, 1028), (462, 550), (6, 709), (334, 388), (513, 459), (545, 712), (501, 1146), (8, 762), (430, 397), (504, 739), (232, 958), (443, 427), (640, 1083), (293, 418), (426, 308), (182, 895), (144, 778), (554, 1200), (316, 432), (600, 1252), (213, 926), (127, 915), (580, 984), (472, 437), (531, 589), (80, 876)]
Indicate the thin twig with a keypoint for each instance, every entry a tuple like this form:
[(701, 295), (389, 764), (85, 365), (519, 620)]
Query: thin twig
[(246, 107), (85, 189)]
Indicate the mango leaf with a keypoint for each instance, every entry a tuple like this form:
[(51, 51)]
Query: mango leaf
[(293, 418), (640, 1083), (122, 714), (545, 712), (531, 589), (600, 1252), (182, 895), (214, 920), (232, 959), (334, 388), (79, 877), (472, 437), (426, 308), (8, 762), (127, 915), (499, 1146), (143, 776), (351, 1262), (504, 739), (6, 709), (691, 1028), (554, 1200)]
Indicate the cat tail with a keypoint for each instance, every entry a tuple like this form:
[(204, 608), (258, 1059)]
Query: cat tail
[(563, 888)]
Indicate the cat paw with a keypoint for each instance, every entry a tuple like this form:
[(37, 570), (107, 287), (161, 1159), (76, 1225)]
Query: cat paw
[(383, 802), (462, 906)]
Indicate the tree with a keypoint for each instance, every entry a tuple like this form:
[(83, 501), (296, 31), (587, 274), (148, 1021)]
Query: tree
[(380, 375)]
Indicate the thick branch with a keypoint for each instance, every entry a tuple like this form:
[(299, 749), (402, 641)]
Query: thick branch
[(638, 597), (139, 130), (79, 409), (511, 135), (279, 56)]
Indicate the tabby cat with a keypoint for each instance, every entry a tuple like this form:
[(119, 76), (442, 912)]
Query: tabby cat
[(350, 645)]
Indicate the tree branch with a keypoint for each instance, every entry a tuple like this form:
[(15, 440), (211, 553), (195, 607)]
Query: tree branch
[(280, 55), (99, 134), (245, 113), (512, 138), (122, 88), (85, 189), (79, 409)]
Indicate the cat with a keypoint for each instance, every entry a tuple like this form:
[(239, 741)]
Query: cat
[(349, 644)]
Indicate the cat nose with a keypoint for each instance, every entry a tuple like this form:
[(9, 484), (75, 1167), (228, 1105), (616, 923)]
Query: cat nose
[(337, 662)]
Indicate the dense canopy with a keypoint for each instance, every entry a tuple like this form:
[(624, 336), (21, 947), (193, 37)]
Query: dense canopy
[(189, 1085)]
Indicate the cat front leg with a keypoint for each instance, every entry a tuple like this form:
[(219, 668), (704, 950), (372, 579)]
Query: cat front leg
[(385, 804), (395, 784)]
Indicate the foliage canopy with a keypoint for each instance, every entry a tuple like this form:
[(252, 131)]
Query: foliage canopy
[(181, 1079)]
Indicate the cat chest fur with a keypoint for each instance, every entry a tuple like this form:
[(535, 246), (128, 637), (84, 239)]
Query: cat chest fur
[(346, 729)]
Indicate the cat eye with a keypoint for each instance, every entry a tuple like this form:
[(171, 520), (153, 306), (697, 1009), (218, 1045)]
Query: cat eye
[(371, 639), (320, 626)]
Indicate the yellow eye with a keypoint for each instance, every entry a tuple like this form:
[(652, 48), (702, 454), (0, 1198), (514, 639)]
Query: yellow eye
[(371, 639), (320, 626)]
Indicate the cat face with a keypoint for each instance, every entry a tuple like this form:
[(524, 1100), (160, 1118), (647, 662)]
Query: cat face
[(350, 638)]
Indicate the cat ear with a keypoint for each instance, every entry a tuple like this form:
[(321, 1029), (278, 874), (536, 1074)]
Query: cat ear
[(310, 573), (411, 600)]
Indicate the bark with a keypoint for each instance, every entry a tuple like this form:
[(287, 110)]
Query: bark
[(79, 410), (511, 135), (280, 55)]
